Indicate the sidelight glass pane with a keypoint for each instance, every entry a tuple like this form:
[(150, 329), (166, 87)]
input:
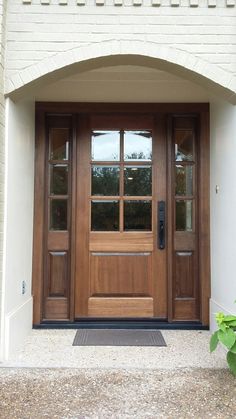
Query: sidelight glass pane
[(105, 180), (137, 145), (106, 145), (105, 216), (183, 180), (184, 215), (59, 179), (138, 180), (58, 214), (138, 215), (59, 143), (183, 145)]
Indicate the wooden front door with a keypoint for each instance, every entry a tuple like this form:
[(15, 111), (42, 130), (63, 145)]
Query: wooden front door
[(121, 227), (121, 177)]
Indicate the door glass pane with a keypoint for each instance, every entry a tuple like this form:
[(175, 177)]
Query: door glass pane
[(105, 216), (105, 180), (183, 145), (137, 215), (183, 180), (59, 179), (184, 215), (106, 145), (59, 144), (137, 145), (58, 214), (138, 180)]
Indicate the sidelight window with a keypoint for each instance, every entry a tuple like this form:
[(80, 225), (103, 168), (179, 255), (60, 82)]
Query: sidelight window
[(58, 173), (185, 190)]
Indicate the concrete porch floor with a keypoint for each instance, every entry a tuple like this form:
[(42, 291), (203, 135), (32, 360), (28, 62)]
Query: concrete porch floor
[(51, 378), (53, 349)]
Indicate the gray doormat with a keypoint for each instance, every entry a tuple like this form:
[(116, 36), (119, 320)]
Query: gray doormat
[(118, 337)]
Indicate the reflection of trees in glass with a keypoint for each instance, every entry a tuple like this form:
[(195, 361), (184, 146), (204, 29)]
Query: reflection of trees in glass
[(105, 216), (59, 180), (184, 215), (183, 145), (138, 180), (138, 156), (58, 214), (137, 215), (59, 143), (184, 180), (105, 180), (138, 145)]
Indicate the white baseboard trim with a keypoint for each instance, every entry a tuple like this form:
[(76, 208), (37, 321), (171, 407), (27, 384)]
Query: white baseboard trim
[(215, 307), (18, 324)]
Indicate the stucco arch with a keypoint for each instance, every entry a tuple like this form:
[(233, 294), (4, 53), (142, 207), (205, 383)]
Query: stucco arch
[(111, 52)]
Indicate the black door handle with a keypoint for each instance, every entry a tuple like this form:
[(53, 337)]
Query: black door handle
[(161, 225)]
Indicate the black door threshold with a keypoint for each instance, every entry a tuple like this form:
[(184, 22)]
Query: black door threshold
[(121, 324)]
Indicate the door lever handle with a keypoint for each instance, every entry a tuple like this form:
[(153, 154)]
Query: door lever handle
[(161, 225)]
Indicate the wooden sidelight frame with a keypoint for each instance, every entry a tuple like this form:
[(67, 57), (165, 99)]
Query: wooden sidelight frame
[(165, 112)]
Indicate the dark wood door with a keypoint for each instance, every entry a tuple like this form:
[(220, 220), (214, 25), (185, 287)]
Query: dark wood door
[(101, 172), (120, 269)]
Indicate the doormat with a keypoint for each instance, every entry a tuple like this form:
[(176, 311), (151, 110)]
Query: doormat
[(118, 337)]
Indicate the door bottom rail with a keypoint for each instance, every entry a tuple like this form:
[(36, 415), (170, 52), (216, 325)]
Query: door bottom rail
[(95, 323)]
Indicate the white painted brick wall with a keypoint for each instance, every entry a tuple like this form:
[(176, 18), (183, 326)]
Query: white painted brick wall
[(2, 137), (36, 32)]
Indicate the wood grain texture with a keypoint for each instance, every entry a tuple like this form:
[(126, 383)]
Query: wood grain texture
[(58, 274), (82, 217), (121, 242), (56, 309), (116, 274), (120, 307), (58, 240), (39, 218), (204, 218), (184, 275)]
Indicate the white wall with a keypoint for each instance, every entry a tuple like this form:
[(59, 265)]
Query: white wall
[(2, 145), (223, 208), (18, 222)]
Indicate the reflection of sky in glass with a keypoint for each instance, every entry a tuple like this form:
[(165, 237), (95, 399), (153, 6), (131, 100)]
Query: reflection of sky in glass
[(137, 145), (106, 145)]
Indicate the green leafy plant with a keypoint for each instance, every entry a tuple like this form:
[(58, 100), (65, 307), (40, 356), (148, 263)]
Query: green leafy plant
[(227, 336)]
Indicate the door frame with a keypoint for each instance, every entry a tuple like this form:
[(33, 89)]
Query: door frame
[(162, 110)]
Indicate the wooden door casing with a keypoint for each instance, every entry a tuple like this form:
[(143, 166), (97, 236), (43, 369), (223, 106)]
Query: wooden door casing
[(196, 264)]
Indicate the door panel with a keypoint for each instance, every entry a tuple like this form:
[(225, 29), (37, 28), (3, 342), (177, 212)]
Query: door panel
[(121, 274), (120, 307), (98, 192), (123, 179)]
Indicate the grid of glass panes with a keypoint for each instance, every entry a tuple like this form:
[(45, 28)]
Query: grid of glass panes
[(184, 167), (58, 171), (121, 180)]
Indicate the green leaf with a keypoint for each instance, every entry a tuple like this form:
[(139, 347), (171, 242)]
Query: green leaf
[(228, 337), (231, 359), (220, 318), (232, 323), (230, 318), (233, 349), (214, 341), (223, 327)]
